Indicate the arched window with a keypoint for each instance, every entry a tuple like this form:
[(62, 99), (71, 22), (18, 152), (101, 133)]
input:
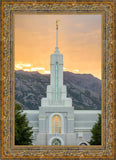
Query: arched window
[(56, 142), (83, 144), (56, 124)]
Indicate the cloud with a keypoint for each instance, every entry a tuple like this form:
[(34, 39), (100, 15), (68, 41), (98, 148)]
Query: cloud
[(26, 65), (47, 72), (26, 70), (75, 70), (37, 69), (22, 65), (18, 66)]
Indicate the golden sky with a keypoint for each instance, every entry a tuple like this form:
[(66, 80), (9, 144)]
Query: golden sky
[(79, 40)]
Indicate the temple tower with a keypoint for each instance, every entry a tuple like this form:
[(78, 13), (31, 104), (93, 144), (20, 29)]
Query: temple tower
[(56, 114)]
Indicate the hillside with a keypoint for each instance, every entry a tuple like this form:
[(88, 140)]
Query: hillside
[(84, 89)]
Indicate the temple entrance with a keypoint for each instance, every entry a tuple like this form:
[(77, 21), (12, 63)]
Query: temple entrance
[(83, 144), (56, 142)]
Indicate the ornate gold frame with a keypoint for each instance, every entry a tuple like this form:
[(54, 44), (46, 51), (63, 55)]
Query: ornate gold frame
[(8, 149)]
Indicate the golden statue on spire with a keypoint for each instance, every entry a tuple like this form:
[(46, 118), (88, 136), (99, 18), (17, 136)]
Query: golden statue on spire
[(56, 24)]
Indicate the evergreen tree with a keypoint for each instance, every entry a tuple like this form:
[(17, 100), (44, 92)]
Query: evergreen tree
[(23, 133), (96, 133)]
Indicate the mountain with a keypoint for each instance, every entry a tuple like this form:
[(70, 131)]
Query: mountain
[(84, 89)]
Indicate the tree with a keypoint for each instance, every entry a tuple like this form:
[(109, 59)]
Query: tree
[(23, 133), (96, 132)]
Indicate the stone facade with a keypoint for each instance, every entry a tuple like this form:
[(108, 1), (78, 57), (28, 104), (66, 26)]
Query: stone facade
[(81, 133)]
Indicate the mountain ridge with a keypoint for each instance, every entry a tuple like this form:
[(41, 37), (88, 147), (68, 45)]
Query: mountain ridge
[(84, 89)]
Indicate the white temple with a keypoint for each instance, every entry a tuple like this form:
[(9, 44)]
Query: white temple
[(56, 122)]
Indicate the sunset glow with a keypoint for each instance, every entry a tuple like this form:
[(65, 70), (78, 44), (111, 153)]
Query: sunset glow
[(30, 68), (79, 40)]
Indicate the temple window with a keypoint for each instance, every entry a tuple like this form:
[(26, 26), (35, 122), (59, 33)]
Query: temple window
[(56, 124)]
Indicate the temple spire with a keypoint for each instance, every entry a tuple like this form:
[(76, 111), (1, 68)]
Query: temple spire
[(57, 50), (56, 33), (56, 24)]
